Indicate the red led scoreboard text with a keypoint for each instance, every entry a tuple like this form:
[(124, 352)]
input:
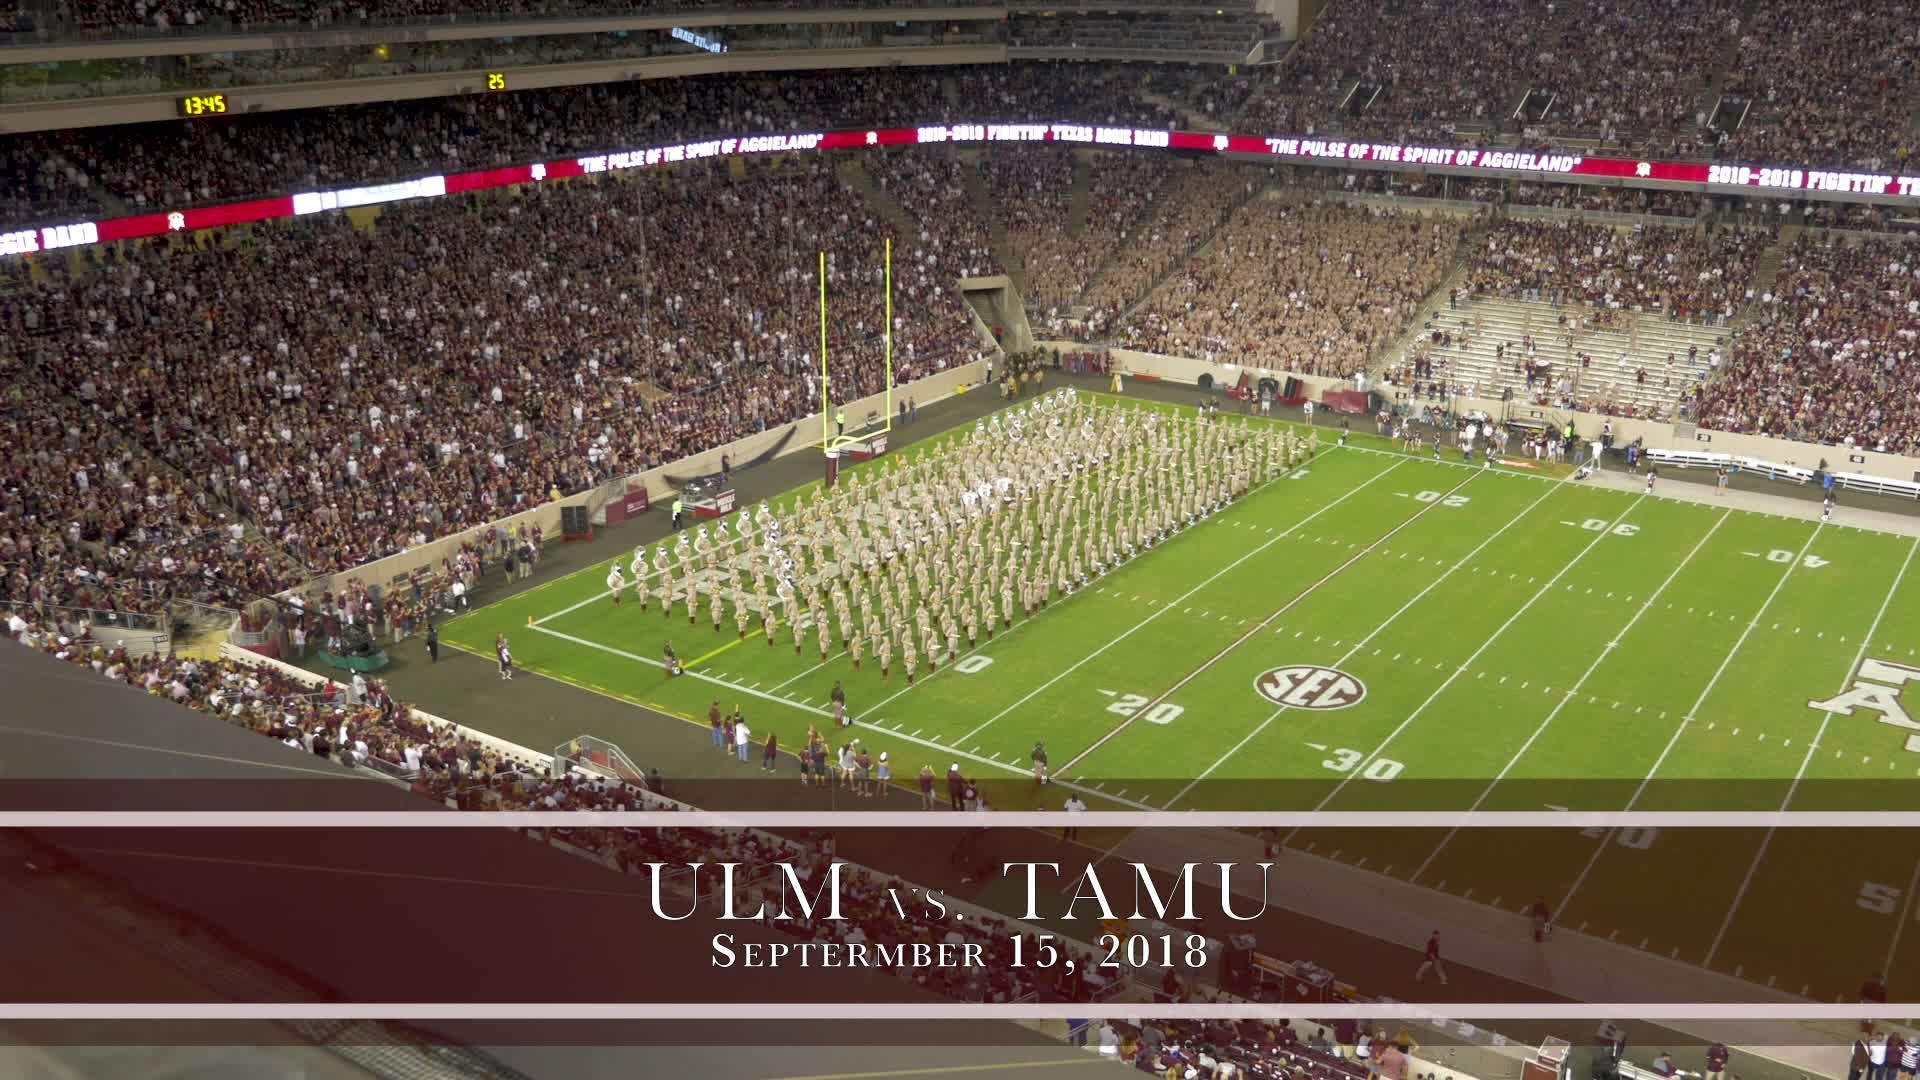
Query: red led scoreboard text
[(1498, 162)]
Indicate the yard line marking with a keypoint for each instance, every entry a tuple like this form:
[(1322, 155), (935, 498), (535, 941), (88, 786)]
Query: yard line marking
[(1263, 624), (1605, 651), (1362, 643), (1484, 646), (1807, 760), (703, 677), (1687, 717), (1157, 612), (837, 655), (1028, 621)]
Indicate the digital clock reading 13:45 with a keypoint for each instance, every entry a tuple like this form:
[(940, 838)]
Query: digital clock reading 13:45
[(203, 105)]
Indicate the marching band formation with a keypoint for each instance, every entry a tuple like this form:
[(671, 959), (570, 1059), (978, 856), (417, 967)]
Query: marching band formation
[(1027, 507)]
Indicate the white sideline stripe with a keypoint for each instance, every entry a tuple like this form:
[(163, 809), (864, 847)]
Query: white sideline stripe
[(1365, 641), (1812, 747), (945, 819), (778, 700), (1687, 717), (1605, 651), (1361, 765), (1157, 612), (1297, 599), (893, 1010)]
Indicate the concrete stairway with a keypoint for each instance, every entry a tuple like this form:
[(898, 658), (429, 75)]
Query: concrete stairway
[(855, 176), (1080, 195), (1003, 249), (1198, 249), (1766, 270)]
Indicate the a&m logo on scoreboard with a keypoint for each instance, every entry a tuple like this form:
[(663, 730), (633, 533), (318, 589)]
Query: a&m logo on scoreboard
[(1876, 687), (1308, 687)]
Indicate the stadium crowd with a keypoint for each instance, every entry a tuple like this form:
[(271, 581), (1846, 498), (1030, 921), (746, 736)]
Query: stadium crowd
[(98, 15), (1647, 268), (1122, 193), (1297, 285), (1835, 354), (89, 521), (1199, 200), (358, 392), (155, 166), (931, 188), (1630, 66), (1833, 92)]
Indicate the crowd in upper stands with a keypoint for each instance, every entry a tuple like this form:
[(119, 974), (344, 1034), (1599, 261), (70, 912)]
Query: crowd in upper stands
[(1835, 354), (1831, 92), (225, 14), (1194, 207), (357, 392), (1834, 91), (1646, 268), (1297, 285), (552, 341)]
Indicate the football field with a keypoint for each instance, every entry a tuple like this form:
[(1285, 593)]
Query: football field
[(1385, 631)]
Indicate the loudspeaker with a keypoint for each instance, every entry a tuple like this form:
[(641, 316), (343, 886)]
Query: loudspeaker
[(575, 524)]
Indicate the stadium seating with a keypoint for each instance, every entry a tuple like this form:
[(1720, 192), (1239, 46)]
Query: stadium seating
[(426, 386), (1675, 271), (930, 187), (1832, 356), (1298, 286), (1621, 364), (168, 165), (1833, 91)]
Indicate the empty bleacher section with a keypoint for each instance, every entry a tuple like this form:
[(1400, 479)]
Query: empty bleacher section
[(1565, 356), (1583, 315)]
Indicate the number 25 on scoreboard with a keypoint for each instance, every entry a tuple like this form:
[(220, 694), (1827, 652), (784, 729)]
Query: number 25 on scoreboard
[(496, 80)]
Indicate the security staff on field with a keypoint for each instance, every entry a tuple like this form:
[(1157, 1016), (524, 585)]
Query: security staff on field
[(840, 418), (679, 512)]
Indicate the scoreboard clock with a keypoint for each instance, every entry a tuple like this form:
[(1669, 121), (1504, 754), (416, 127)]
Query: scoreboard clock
[(496, 80), (202, 105)]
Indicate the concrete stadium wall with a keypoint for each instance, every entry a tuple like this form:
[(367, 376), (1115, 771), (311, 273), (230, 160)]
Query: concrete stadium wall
[(1659, 435), (935, 387)]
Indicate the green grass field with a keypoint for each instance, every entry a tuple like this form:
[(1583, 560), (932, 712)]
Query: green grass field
[(1509, 640)]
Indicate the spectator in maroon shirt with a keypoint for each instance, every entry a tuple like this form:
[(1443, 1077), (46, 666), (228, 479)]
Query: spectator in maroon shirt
[(1716, 1061)]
